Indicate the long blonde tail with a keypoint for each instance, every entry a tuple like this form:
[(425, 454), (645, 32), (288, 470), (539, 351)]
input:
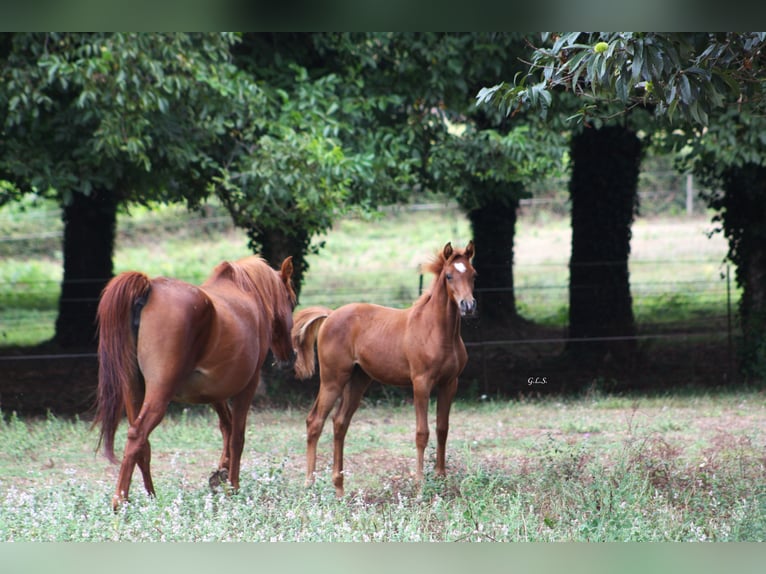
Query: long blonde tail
[(306, 325)]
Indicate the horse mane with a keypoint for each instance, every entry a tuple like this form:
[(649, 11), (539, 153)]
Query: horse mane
[(436, 265), (252, 274)]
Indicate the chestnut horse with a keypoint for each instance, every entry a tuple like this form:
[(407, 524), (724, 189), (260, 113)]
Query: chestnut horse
[(419, 347), (163, 339)]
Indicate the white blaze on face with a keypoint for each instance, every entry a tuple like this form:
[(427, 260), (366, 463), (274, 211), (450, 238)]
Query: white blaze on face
[(460, 267)]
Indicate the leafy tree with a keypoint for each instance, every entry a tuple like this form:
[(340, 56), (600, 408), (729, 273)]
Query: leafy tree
[(102, 120), (711, 86), (326, 152), (729, 158), (605, 159), (457, 149), (404, 109), (488, 171)]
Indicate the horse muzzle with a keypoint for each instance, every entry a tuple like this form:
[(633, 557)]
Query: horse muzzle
[(467, 307), (286, 363)]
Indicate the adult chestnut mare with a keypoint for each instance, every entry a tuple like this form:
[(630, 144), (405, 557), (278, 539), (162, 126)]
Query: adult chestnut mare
[(164, 339), (419, 347)]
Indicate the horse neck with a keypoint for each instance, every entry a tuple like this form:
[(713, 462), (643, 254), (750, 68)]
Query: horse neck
[(446, 315)]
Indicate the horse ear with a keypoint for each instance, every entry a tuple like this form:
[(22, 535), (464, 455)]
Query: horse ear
[(287, 269), (447, 251), (470, 250)]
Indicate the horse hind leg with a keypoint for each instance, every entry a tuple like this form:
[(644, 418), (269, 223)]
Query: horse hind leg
[(352, 397), (221, 475), (144, 461), (240, 406), (326, 398), (138, 451)]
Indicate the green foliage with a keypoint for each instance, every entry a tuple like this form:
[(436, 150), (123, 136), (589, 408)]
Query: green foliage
[(711, 86), (139, 115), (294, 174), (422, 84), (685, 76), (480, 167)]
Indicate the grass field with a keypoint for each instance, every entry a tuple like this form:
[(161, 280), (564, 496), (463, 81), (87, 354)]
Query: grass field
[(599, 468)]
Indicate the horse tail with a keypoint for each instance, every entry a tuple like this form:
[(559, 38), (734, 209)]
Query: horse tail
[(119, 377), (305, 329)]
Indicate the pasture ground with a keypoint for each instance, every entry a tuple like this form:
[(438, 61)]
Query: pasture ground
[(597, 468)]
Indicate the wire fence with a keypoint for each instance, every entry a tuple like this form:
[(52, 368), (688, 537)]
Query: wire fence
[(668, 312)]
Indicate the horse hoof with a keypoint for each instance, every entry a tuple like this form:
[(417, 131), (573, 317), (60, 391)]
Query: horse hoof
[(218, 478), (118, 502)]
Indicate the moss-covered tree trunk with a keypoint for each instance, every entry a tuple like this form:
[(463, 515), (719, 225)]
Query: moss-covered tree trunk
[(603, 190), (742, 209), (493, 226), (89, 232)]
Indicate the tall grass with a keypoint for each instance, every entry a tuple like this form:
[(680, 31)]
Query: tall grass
[(601, 468)]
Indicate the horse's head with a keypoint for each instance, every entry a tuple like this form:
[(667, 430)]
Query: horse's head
[(459, 277), (281, 341)]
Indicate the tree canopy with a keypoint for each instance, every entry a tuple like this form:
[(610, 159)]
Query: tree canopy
[(101, 120), (138, 114), (679, 76)]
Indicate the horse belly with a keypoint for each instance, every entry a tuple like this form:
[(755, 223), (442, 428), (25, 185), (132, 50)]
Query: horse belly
[(208, 386), (386, 364), (386, 374)]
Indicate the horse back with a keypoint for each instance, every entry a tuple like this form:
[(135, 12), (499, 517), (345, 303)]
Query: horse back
[(210, 341), (371, 336), (392, 345)]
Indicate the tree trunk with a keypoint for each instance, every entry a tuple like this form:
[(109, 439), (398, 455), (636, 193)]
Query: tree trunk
[(494, 226), (89, 231), (743, 212), (603, 189)]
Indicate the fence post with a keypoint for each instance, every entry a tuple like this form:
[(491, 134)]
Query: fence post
[(689, 194), (728, 320)]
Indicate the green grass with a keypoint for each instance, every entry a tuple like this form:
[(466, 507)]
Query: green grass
[(378, 260), (602, 468)]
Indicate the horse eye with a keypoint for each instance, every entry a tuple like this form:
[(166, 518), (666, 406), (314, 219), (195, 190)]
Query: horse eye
[(449, 276)]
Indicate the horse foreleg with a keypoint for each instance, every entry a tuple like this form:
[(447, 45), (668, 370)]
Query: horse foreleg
[(420, 399), (444, 398), (137, 451), (352, 396)]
